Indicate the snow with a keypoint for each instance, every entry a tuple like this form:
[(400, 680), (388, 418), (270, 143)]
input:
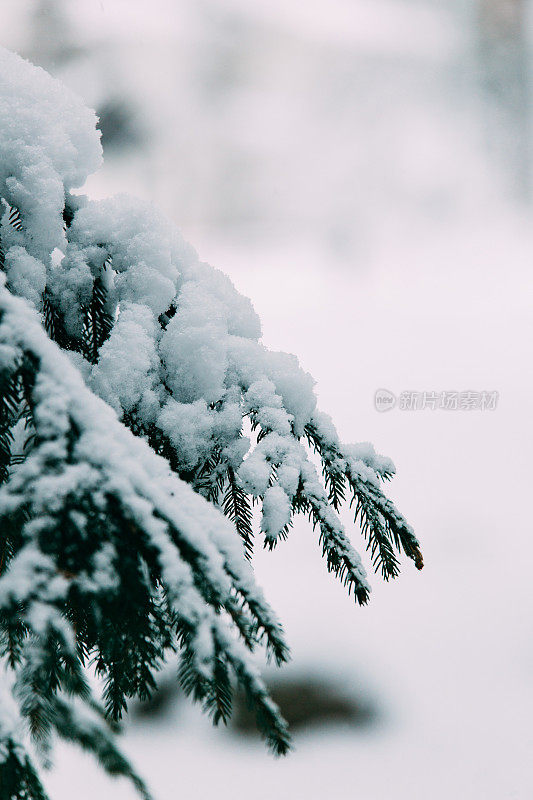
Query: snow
[(276, 512), (26, 275), (437, 273), (51, 146), (31, 572), (294, 385), (145, 251), (195, 359), (106, 460), (189, 426), (127, 368), (365, 452), (190, 377), (70, 281)]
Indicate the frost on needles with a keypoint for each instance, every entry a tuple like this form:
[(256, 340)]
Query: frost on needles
[(141, 419)]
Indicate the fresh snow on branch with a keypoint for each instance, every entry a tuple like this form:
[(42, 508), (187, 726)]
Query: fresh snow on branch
[(140, 418)]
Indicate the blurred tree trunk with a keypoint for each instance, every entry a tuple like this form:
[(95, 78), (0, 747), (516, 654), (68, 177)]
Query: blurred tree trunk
[(504, 57)]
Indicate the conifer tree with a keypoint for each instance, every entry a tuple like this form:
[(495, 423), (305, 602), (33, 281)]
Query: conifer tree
[(141, 419)]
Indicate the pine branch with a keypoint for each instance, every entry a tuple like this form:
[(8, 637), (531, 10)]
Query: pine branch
[(10, 401), (219, 705), (382, 525), (18, 778), (9, 412), (13, 632), (272, 539), (97, 322), (332, 468), (270, 723), (374, 528), (165, 318), (15, 219), (157, 440), (48, 666), (93, 736), (215, 693), (377, 532), (214, 690), (54, 325), (264, 626), (341, 558), (236, 507), (106, 557), (129, 659), (209, 479), (68, 213), (374, 507)]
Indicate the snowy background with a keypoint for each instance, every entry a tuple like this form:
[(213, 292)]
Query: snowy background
[(360, 169)]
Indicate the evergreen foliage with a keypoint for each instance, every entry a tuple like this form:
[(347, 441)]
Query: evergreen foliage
[(141, 419)]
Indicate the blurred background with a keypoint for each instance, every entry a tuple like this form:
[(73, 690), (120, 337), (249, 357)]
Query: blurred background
[(362, 170)]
